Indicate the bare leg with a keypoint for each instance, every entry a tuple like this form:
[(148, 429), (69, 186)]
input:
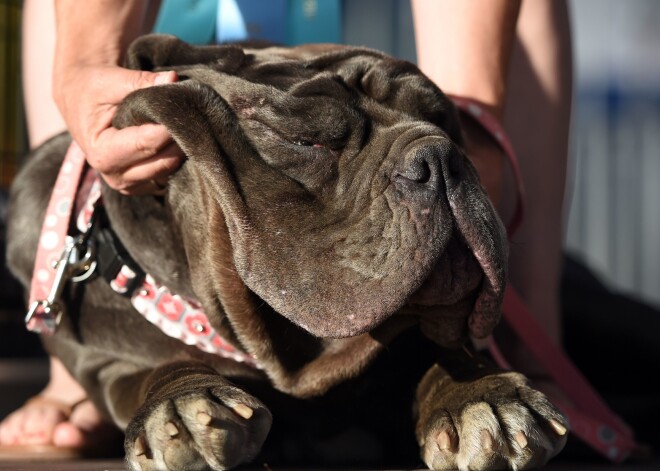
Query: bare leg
[(47, 420), (537, 116), (532, 89), (43, 117)]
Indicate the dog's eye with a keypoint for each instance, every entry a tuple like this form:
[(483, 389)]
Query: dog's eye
[(306, 143)]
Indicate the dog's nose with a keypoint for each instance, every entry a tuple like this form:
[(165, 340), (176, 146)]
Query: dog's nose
[(419, 166), (423, 165)]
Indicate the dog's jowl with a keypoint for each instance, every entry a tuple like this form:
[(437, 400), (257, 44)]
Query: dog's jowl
[(306, 289)]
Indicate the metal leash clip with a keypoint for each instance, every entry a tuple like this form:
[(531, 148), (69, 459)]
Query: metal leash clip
[(77, 263)]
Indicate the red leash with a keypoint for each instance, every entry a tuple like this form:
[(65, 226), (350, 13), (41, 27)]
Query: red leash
[(490, 124), (590, 418)]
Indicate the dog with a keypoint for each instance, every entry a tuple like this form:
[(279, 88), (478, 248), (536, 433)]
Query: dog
[(336, 235)]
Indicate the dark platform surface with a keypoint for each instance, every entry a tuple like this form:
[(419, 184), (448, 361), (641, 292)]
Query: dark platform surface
[(118, 465)]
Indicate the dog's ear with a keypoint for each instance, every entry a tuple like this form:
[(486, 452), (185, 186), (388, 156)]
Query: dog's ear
[(332, 282), (156, 52), (483, 232)]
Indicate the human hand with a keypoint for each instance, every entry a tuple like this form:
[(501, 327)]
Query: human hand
[(133, 160)]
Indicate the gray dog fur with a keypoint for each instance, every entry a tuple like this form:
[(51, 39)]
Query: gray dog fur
[(325, 208)]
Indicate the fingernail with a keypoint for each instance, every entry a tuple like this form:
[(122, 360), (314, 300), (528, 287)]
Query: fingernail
[(163, 77)]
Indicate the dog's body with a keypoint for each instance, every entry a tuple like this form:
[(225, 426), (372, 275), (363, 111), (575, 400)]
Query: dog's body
[(325, 208)]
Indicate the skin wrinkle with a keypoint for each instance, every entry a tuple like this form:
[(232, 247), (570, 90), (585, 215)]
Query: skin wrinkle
[(376, 193), (383, 248), (411, 213), (262, 288), (385, 231)]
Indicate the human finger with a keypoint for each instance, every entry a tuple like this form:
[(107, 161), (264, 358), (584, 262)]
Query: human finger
[(117, 82), (117, 150), (149, 176)]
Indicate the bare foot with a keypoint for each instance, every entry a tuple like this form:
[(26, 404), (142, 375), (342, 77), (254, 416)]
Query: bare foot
[(59, 416)]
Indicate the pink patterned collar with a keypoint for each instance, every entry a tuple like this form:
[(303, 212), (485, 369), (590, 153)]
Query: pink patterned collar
[(175, 315)]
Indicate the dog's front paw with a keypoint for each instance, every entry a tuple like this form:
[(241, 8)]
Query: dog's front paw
[(495, 422), (213, 429)]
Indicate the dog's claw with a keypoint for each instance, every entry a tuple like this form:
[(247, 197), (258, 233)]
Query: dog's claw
[(521, 439), (171, 429), (243, 410), (204, 418), (487, 441), (507, 424), (444, 441), (558, 427), (139, 448)]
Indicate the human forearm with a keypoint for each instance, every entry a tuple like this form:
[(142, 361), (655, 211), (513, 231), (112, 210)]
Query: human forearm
[(96, 32), (464, 46), (89, 83)]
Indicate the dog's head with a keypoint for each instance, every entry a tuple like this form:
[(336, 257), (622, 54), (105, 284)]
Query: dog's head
[(339, 177)]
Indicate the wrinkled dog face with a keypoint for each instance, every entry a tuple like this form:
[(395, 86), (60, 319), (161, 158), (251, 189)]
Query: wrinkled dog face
[(339, 175)]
